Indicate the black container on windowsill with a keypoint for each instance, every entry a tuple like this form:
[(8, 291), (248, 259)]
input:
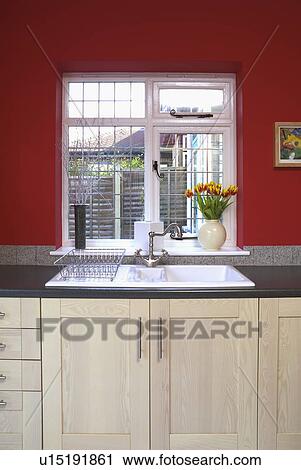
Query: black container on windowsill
[(80, 226)]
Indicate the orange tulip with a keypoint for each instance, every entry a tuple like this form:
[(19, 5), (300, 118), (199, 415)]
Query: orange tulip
[(198, 188), (225, 193), (189, 193)]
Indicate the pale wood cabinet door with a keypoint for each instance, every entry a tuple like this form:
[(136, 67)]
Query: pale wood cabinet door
[(279, 411), (204, 384), (96, 388)]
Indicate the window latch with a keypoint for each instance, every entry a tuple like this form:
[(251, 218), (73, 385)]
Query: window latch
[(156, 169), (174, 113)]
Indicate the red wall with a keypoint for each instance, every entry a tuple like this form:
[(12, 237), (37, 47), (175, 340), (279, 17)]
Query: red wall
[(107, 36)]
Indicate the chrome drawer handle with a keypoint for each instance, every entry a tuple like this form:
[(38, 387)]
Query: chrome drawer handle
[(160, 338), (3, 403), (2, 377), (2, 346), (2, 315), (140, 339)]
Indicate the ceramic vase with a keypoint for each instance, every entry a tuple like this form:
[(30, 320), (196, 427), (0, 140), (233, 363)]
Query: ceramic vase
[(212, 235), (80, 226)]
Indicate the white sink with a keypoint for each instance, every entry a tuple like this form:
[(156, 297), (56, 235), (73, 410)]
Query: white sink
[(189, 276), (168, 276)]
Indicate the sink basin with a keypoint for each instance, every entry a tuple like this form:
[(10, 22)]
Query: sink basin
[(189, 276), (168, 276), (142, 274)]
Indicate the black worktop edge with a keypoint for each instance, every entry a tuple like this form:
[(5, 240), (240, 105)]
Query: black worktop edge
[(150, 294)]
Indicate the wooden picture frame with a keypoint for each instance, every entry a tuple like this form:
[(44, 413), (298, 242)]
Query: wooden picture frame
[(287, 145)]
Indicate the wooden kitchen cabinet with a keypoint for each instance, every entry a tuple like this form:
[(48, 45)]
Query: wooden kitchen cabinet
[(96, 390), (180, 390), (20, 374), (163, 393), (204, 391), (279, 392)]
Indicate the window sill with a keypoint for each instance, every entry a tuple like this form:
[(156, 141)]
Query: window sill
[(174, 247)]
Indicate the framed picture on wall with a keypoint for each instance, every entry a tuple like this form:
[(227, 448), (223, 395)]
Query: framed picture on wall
[(287, 144)]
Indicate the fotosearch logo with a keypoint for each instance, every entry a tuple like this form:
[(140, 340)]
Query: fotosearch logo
[(82, 329)]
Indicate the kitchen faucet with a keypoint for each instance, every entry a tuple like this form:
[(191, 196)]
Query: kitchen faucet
[(151, 261)]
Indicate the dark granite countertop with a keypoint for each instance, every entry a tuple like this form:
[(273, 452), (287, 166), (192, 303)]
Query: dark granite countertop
[(271, 281)]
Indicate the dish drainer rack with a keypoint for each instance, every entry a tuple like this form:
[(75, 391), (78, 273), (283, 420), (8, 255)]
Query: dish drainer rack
[(97, 263)]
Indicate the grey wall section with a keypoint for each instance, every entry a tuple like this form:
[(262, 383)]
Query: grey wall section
[(260, 256)]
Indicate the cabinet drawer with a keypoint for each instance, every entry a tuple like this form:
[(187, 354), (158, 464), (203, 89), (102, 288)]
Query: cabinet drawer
[(20, 425), (11, 442), (20, 344), (10, 401), (19, 313), (10, 344), (20, 375), (11, 421), (10, 375), (10, 313)]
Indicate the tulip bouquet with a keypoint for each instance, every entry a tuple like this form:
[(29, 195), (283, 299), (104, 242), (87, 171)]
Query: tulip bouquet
[(212, 198)]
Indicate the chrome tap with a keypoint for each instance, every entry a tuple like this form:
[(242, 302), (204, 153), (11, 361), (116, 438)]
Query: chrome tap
[(151, 261)]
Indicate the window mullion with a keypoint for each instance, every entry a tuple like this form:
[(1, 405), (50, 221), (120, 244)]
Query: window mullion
[(151, 192)]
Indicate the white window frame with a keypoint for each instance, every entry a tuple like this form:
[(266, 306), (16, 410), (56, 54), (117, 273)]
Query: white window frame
[(155, 123)]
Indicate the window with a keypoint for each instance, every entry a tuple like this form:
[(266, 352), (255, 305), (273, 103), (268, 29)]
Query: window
[(115, 127), (185, 160)]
